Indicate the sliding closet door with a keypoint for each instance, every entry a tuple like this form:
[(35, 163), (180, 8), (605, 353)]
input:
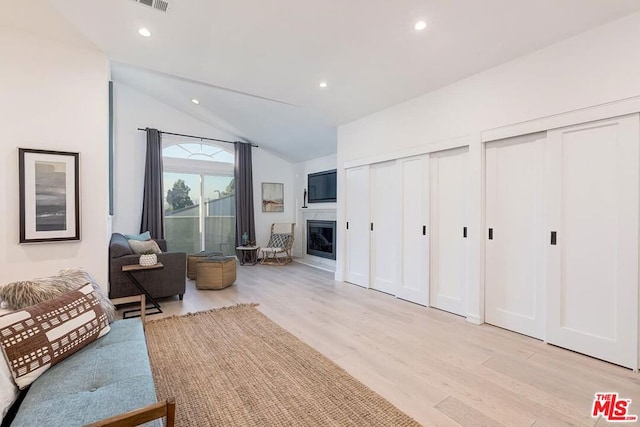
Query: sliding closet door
[(514, 265), (385, 226), (448, 252), (357, 227), (592, 239), (414, 280)]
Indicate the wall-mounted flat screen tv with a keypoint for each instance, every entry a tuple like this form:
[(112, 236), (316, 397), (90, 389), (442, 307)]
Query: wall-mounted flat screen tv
[(322, 186)]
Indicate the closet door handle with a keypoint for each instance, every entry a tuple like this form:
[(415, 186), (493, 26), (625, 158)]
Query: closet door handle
[(553, 238), (424, 230), (371, 226), (464, 232), (347, 225), (491, 234)]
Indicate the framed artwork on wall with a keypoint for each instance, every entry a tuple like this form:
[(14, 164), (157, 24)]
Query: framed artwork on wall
[(49, 195), (272, 197)]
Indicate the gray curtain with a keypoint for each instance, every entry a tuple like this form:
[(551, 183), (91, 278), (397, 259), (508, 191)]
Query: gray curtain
[(243, 176), (152, 201)]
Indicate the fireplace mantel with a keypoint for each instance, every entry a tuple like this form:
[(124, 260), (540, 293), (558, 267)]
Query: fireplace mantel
[(328, 210)]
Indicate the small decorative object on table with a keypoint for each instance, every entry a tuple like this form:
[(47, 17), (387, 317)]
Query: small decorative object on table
[(245, 239), (148, 258)]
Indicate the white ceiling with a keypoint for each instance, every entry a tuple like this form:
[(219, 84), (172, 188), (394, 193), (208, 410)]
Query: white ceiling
[(255, 65)]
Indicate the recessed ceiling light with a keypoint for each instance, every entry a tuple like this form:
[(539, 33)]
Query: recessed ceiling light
[(323, 85), (420, 25), (144, 32), (195, 101)]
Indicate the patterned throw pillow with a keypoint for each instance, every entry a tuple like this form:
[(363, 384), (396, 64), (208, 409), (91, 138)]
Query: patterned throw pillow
[(279, 240), (38, 337)]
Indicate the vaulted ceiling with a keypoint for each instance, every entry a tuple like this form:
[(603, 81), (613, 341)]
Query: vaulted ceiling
[(256, 65)]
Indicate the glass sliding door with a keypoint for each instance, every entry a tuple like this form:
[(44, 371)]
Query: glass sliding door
[(182, 212), (219, 214), (199, 196)]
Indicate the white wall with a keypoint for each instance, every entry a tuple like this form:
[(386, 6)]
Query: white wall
[(270, 168), (133, 110), (596, 67), (54, 96)]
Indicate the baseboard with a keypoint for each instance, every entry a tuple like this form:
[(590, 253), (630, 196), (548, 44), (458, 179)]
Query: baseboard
[(475, 320), (319, 267)]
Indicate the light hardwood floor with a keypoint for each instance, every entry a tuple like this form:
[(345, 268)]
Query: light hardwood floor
[(434, 366)]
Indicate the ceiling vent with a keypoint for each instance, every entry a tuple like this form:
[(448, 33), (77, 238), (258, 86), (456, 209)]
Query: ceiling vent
[(160, 5)]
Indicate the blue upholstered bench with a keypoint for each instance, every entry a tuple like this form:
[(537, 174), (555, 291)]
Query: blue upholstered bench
[(107, 378)]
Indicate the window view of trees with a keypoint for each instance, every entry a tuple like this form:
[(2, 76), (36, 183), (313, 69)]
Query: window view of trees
[(178, 196)]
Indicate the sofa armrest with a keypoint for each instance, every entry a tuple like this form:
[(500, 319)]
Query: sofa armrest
[(142, 415)]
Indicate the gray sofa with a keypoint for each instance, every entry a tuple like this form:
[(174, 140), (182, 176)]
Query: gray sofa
[(107, 378), (160, 283)]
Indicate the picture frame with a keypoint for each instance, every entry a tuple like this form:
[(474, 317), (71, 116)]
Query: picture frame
[(49, 195), (272, 197)]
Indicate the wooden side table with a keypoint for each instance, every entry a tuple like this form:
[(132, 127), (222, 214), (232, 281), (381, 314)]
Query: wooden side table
[(128, 270), (248, 254)]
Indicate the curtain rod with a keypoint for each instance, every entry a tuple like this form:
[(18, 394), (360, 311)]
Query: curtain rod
[(199, 137)]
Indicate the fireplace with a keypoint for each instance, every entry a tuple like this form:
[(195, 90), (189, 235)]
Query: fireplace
[(321, 237)]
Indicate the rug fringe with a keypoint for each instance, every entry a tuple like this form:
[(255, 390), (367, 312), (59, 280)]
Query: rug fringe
[(211, 310)]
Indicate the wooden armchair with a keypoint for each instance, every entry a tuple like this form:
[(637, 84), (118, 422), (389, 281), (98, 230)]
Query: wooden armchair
[(278, 250)]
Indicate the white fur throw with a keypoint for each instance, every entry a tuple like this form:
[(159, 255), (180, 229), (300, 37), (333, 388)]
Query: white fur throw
[(19, 295)]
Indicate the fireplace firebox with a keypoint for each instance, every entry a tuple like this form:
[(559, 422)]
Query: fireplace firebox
[(321, 237)]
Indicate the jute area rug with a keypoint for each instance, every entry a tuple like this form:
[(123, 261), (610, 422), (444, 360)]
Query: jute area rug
[(235, 367)]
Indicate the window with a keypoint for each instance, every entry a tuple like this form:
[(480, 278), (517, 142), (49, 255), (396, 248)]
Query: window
[(199, 196)]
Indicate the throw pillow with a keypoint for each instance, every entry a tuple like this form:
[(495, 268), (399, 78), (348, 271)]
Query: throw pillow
[(38, 337), (279, 240), (139, 247), (142, 236), (19, 295), (79, 277)]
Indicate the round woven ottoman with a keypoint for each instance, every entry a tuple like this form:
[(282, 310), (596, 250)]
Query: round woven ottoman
[(192, 261), (215, 272)]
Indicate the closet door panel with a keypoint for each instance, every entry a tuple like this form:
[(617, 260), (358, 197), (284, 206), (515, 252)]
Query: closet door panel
[(385, 227), (448, 251), (514, 279), (414, 281), (357, 231), (592, 284)]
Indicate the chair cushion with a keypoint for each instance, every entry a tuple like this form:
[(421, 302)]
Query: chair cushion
[(38, 337), (106, 378), (279, 240)]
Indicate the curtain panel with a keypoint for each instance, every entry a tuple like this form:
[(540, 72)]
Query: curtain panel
[(152, 201), (243, 175)]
